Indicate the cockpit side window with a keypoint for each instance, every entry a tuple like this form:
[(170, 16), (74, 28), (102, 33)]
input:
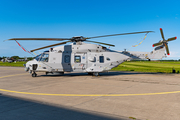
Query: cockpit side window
[(44, 57)]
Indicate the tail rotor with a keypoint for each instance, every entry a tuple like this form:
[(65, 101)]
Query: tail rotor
[(164, 42)]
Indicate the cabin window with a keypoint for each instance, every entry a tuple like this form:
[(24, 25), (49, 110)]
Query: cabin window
[(101, 59), (77, 59), (67, 59)]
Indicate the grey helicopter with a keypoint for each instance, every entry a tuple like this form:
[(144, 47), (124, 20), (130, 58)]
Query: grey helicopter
[(89, 58)]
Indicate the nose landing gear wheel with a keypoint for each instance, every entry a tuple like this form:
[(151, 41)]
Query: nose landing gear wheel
[(34, 75)]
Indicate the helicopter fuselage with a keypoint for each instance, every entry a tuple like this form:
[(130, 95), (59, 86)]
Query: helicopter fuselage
[(82, 57)]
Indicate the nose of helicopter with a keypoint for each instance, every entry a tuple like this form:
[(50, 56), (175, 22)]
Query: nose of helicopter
[(27, 65)]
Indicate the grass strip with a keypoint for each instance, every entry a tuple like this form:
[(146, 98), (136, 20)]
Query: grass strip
[(13, 64)]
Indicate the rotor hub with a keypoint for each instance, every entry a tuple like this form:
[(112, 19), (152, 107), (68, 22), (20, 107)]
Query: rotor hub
[(78, 38)]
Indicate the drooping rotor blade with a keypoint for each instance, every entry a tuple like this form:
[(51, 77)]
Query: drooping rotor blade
[(173, 38), (167, 49), (119, 34), (156, 44), (50, 46), (54, 39), (100, 43), (162, 34)]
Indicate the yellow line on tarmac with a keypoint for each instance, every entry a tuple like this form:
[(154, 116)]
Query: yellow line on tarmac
[(88, 95)]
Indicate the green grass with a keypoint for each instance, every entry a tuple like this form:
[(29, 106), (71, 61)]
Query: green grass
[(139, 66), (149, 66), (17, 64)]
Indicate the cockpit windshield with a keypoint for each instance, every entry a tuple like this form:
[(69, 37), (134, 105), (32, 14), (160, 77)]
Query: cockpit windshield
[(43, 57), (38, 57)]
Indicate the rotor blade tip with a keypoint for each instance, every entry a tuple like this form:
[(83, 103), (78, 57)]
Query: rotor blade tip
[(160, 28), (168, 53), (175, 37), (153, 45)]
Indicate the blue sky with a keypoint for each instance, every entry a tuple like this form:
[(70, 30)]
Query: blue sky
[(64, 19)]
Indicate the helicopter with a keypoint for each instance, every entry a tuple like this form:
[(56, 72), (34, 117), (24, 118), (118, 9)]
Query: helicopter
[(89, 58)]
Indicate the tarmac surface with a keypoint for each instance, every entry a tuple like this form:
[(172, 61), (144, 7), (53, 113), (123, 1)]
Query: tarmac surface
[(113, 95)]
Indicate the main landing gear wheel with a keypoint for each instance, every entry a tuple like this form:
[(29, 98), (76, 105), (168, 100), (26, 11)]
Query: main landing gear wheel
[(96, 74), (34, 75)]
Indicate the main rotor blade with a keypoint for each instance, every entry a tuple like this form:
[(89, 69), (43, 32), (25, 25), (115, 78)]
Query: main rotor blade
[(167, 49), (173, 38), (156, 44), (54, 39), (119, 34), (100, 43), (50, 46), (162, 34)]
